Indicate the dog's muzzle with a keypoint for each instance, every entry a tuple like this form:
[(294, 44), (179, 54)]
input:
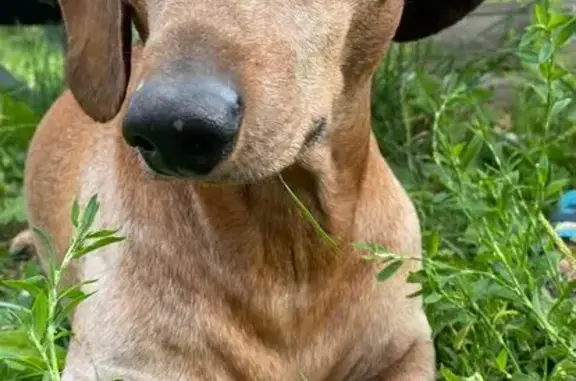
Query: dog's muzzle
[(183, 126)]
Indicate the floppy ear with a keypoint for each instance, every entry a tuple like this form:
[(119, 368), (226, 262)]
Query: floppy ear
[(98, 57), (423, 18)]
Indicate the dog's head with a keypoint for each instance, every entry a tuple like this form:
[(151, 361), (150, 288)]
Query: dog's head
[(234, 90)]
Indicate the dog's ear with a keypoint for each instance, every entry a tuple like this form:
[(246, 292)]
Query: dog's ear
[(423, 18), (98, 56)]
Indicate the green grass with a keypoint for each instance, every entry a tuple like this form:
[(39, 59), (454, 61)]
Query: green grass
[(30, 79), (482, 173)]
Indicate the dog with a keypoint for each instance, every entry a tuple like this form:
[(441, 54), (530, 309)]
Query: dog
[(192, 140)]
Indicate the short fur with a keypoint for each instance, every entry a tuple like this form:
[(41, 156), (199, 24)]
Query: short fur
[(221, 278)]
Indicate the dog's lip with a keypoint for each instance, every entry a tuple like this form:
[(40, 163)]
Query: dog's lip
[(155, 163), (151, 160), (317, 131)]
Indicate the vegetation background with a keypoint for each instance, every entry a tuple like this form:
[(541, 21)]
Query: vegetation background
[(480, 129)]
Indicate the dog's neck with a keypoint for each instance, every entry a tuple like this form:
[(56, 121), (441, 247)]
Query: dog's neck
[(265, 218)]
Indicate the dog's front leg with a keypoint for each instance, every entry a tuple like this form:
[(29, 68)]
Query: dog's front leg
[(417, 364)]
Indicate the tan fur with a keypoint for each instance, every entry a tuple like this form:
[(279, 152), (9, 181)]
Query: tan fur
[(22, 246), (22, 241), (222, 278)]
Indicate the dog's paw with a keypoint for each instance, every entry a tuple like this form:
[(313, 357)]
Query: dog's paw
[(22, 247)]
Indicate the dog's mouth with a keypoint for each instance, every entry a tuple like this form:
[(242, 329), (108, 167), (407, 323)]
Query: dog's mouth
[(316, 133), (189, 158), (155, 163)]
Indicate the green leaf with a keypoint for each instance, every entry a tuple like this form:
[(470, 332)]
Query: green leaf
[(502, 360), (557, 20), (40, 315), (568, 290), (556, 72), (374, 248), (541, 92), (543, 170), (16, 338), (16, 347), (13, 306), (460, 337), (12, 209), (75, 213), (472, 150), (545, 52), (49, 247), (548, 352), (390, 269), (531, 34), (75, 290), (62, 333), (71, 303), (102, 233), (450, 83), (90, 212), (528, 57), (448, 374), (417, 276), (555, 187), (475, 377), (432, 298), (563, 370), (16, 115), (541, 14), (30, 285), (544, 69), (433, 244), (565, 34), (525, 377), (559, 106), (96, 245), (23, 361)]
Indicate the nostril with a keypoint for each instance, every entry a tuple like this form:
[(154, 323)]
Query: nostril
[(143, 143)]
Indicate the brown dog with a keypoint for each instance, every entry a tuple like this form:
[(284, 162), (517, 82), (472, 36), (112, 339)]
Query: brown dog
[(183, 140)]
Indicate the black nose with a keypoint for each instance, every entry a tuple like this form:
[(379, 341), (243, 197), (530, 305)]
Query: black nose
[(183, 126)]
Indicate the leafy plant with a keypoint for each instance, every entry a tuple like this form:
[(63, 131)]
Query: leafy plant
[(34, 344), (30, 79), (491, 256), (483, 177)]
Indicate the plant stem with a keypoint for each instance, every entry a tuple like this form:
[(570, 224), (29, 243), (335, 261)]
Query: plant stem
[(53, 306)]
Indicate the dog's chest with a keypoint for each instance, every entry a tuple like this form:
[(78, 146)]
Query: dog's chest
[(223, 331), (226, 313), (277, 330)]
